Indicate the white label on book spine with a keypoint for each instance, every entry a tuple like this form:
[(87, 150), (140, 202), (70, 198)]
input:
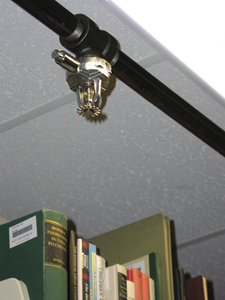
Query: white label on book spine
[(22, 232)]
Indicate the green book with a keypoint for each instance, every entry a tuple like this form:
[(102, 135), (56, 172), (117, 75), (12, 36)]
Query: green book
[(179, 284), (72, 265), (139, 239), (33, 249), (155, 273)]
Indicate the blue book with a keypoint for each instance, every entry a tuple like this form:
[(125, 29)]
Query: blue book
[(92, 272)]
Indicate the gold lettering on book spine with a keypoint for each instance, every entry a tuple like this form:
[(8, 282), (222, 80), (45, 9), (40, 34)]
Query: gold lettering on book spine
[(55, 244)]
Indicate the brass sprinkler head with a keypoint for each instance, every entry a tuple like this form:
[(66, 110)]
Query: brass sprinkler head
[(87, 76)]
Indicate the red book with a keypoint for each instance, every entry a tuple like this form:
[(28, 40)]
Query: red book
[(196, 288), (136, 276), (129, 274), (145, 287)]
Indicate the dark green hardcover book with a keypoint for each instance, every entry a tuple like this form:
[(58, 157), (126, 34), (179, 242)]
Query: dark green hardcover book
[(176, 282), (179, 284), (155, 273), (33, 249), (72, 265)]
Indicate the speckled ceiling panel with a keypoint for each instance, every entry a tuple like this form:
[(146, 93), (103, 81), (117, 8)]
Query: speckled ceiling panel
[(135, 163), (22, 90)]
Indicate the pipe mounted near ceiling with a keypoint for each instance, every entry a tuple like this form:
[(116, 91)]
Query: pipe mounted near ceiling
[(82, 36)]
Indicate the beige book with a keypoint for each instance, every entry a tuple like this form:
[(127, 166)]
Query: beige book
[(130, 290), (13, 289), (116, 282)]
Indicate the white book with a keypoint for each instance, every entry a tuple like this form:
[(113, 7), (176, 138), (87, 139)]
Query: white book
[(116, 282), (100, 262), (13, 289), (79, 270), (130, 290), (152, 289)]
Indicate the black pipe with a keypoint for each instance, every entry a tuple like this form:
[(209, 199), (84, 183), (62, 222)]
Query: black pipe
[(169, 102), (78, 32), (88, 40), (51, 14)]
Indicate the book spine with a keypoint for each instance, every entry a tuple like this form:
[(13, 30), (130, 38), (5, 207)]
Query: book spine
[(196, 288), (79, 270), (75, 269), (116, 282), (13, 288), (130, 290), (136, 277), (122, 282), (55, 249), (182, 282), (177, 285), (72, 265), (145, 287), (129, 275), (85, 269), (100, 261), (155, 273), (93, 272), (152, 289)]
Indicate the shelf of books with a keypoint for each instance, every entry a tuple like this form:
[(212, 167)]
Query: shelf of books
[(43, 259)]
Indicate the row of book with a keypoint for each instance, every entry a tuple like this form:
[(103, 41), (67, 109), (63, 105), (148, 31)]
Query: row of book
[(93, 280), (139, 279), (39, 252)]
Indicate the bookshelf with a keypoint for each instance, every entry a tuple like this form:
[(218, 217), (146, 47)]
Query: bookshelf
[(123, 245)]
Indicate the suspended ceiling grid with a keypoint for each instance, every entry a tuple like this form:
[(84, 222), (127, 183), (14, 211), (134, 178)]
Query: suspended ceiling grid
[(133, 163)]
